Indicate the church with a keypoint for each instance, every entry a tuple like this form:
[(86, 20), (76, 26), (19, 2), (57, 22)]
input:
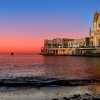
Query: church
[(95, 33), (66, 46)]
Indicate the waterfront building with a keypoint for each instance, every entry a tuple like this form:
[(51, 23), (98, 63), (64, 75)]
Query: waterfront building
[(79, 43), (58, 46), (65, 46), (95, 33)]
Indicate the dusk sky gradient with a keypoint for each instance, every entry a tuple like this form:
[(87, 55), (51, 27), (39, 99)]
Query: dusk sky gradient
[(24, 24)]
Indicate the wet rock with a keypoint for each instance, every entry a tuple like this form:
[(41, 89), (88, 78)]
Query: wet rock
[(55, 99), (83, 97), (65, 98)]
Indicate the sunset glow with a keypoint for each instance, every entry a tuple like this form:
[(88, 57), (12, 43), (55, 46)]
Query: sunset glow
[(24, 24)]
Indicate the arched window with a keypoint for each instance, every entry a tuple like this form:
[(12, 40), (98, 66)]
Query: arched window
[(99, 25)]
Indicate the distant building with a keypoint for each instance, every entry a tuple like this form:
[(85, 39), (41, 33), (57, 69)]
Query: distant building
[(95, 33), (79, 43), (56, 46), (64, 46), (57, 43)]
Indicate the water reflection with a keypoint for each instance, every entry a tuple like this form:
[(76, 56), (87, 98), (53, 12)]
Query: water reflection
[(64, 67), (69, 67)]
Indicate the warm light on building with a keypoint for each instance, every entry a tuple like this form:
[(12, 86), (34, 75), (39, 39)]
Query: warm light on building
[(95, 33), (65, 46)]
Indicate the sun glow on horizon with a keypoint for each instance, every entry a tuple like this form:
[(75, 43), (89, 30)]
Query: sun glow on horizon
[(25, 24)]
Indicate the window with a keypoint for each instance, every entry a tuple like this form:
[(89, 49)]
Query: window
[(99, 42), (99, 25)]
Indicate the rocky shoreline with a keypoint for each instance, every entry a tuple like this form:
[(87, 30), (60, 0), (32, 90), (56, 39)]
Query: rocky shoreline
[(50, 93), (80, 97), (41, 88)]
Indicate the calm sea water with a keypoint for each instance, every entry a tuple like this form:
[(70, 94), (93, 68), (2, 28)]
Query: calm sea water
[(63, 67), (20, 66)]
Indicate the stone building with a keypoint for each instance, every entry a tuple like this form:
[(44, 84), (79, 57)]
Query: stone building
[(79, 43), (58, 46), (64, 46), (95, 33)]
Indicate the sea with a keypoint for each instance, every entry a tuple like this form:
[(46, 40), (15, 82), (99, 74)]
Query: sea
[(38, 68), (62, 67)]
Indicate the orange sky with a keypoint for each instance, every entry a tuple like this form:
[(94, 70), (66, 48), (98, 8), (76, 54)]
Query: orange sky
[(31, 43), (24, 24), (19, 44)]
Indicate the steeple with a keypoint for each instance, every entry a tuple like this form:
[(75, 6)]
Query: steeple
[(96, 14), (90, 30)]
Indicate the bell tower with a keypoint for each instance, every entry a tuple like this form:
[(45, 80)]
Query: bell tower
[(96, 14)]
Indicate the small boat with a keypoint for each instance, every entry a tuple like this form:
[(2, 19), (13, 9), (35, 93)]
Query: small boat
[(12, 53)]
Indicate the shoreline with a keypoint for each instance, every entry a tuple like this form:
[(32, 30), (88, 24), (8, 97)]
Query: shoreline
[(45, 82), (71, 55), (49, 93)]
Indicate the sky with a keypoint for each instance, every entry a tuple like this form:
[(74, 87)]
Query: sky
[(24, 24)]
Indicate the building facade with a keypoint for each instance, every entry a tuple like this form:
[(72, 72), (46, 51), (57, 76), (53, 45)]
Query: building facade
[(79, 43), (58, 46), (95, 33), (64, 46)]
